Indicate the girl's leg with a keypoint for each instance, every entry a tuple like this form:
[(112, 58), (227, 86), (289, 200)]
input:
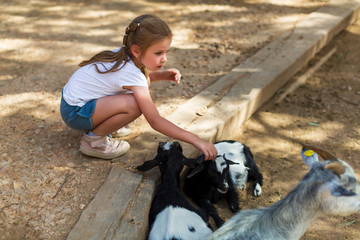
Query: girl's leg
[(114, 112), (111, 113)]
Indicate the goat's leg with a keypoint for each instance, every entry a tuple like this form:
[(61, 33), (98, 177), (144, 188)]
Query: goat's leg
[(232, 199), (256, 177), (211, 210)]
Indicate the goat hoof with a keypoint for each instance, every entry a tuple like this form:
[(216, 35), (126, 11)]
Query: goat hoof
[(257, 193), (257, 190)]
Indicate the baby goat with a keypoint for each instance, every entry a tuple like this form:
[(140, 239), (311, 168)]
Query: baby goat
[(246, 169), (329, 187), (214, 180), (171, 215)]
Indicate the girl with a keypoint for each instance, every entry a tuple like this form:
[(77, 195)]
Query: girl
[(111, 89)]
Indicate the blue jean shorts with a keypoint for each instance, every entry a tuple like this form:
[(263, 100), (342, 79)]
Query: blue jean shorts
[(76, 117)]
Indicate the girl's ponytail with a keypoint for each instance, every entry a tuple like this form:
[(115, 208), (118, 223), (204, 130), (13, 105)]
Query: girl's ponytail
[(108, 56)]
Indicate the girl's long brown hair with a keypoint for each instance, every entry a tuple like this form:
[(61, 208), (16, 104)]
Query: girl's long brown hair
[(143, 31)]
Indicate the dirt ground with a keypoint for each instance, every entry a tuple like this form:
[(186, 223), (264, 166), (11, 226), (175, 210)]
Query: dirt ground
[(43, 41)]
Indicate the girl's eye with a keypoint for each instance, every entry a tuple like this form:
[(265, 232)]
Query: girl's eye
[(158, 53)]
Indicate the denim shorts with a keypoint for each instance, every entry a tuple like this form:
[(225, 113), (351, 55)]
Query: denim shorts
[(76, 117)]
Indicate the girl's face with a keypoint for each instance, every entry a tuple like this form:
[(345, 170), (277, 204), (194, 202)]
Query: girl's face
[(156, 55)]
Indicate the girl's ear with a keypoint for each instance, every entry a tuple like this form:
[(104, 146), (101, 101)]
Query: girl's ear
[(135, 50)]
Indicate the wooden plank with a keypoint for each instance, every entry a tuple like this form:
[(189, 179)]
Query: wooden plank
[(105, 211), (134, 225)]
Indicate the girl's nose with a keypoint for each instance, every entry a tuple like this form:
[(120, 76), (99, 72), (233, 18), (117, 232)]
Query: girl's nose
[(164, 58)]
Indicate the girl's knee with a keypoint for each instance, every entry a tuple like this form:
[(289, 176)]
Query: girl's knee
[(136, 112), (134, 108)]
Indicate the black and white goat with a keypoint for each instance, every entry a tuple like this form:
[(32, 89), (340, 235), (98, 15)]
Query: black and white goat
[(246, 169), (329, 187), (171, 215), (213, 180)]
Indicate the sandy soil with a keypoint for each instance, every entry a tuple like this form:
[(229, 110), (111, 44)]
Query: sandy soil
[(43, 41)]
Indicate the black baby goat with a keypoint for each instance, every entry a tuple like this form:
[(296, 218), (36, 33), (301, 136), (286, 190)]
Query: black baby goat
[(171, 215)]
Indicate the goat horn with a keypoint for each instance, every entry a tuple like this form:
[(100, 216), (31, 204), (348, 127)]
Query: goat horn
[(336, 167), (326, 155)]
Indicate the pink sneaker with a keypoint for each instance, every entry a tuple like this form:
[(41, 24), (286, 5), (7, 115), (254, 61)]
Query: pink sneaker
[(122, 132), (102, 146)]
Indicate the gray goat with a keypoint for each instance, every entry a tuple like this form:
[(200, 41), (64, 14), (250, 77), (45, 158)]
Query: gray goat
[(329, 187)]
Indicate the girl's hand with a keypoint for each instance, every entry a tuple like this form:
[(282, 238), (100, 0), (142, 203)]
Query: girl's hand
[(207, 148), (172, 74)]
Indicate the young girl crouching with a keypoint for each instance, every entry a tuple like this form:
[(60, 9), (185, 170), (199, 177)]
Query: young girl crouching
[(111, 89)]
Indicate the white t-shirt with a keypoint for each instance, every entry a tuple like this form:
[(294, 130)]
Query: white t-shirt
[(87, 84)]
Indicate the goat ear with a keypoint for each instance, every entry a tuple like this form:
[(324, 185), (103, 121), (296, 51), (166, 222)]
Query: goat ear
[(196, 170), (149, 164), (336, 167), (199, 162), (190, 162), (309, 156), (326, 155), (176, 144), (339, 191), (229, 162)]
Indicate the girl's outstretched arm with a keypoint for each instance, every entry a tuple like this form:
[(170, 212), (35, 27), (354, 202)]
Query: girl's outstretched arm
[(164, 126), (171, 74)]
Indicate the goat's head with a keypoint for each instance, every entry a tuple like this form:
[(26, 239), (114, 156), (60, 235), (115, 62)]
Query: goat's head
[(340, 193), (169, 156), (217, 170)]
